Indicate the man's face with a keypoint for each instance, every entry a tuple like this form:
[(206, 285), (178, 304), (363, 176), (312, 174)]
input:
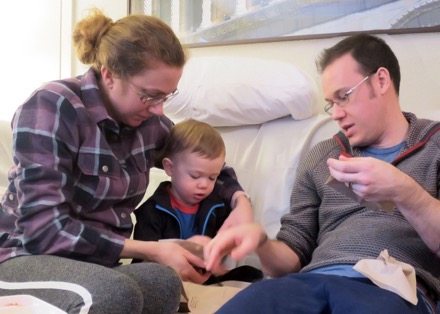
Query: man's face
[(360, 116)]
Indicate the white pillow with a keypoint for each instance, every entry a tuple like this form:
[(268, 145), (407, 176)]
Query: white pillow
[(231, 91)]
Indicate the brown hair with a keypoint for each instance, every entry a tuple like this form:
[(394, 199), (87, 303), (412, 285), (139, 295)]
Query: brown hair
[(196, 137), (126, 46), (370, 52)]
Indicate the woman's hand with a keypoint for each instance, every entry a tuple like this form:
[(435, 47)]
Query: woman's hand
[(187, 265), (200, 239)]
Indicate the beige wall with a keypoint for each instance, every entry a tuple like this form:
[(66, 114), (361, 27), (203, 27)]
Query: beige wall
[(36, 44), (112, 8), (30, 50)]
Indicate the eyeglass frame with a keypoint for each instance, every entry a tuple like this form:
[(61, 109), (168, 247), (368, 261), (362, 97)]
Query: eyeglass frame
[(145, 98), (344, 99)]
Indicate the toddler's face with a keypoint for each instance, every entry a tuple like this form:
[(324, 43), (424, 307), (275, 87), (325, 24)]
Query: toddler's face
[(193, 176)]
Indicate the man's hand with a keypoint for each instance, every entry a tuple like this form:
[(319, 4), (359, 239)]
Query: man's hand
[(237, 241), (370, 178), (377, 181)]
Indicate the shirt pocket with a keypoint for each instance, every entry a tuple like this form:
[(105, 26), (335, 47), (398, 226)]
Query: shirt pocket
[(142, 161), (100, 177), (137, 167)]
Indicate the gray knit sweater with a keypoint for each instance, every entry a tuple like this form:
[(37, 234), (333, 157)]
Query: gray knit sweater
[(326, 228)]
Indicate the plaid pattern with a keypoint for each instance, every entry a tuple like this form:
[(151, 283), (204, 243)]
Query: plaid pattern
[(78, 174)]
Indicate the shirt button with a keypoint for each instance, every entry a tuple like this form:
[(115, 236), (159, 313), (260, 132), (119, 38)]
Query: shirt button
[(11, 197), (104, 168), (124, 215)]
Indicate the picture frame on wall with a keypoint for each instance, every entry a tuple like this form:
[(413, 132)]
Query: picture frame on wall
[(222, 22)]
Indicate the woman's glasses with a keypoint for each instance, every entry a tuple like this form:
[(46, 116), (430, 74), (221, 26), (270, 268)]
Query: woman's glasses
[(156, 100)]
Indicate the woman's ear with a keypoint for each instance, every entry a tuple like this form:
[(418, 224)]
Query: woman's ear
[(107, 77), (167, 166)]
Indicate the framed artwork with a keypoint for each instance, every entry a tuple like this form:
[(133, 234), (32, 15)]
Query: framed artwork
[(221, 22)]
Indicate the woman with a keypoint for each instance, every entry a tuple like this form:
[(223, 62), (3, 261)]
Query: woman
[(83, 148)]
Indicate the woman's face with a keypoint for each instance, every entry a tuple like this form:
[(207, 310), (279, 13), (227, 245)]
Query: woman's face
[(134, 100)]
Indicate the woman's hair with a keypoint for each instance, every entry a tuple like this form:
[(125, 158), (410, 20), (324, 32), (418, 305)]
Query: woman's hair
[(126, 46), (370, 52), (193, 136)]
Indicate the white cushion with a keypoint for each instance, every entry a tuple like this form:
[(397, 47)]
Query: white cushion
[(5, 154), (265, 158), (227, 91)]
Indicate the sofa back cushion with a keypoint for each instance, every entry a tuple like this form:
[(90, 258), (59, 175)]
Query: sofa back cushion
[(5, 154)]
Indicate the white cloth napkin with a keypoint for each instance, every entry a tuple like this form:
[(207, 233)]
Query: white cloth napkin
[(390, 274)]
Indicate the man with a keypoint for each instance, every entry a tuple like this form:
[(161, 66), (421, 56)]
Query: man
[(384, 156)]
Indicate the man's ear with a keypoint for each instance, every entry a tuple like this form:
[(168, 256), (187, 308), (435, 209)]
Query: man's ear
[(384, 79), (167, 166)]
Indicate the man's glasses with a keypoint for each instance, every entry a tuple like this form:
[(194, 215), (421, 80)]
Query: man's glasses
[(154, 101), (341, 101)]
